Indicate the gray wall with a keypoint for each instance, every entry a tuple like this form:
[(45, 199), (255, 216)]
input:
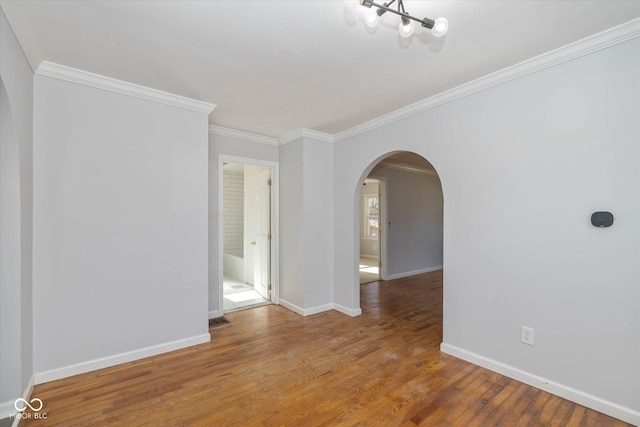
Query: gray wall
[(306, 219), (292, 224), (415, 211), (120, 229), (318, 220), (16, 322), (523, 165)]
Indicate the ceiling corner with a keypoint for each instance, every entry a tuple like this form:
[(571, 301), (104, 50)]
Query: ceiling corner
[(306, 133), (17, 18)]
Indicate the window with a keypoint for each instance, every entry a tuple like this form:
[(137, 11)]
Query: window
[(371, 216)]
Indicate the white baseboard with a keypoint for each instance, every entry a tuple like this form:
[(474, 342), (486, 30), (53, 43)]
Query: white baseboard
[(291, 306), (413, 273), (348, 311), (26, 395), (305, 311), (105, 362), (612, 409), (7, 408), (319, 309), (214, 314)]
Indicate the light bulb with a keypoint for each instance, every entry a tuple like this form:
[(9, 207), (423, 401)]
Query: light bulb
[(440, 27), (371, 19), (407, 27)]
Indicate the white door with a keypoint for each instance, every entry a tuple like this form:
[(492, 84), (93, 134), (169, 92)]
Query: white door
[(262, 258)]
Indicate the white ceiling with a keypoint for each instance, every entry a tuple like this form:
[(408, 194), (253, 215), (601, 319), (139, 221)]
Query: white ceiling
[(276, 66)]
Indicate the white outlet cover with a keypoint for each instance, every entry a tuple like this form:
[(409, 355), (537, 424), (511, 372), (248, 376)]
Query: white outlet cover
[(527, 335)]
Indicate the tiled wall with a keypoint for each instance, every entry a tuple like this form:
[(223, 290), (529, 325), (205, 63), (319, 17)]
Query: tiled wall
[(233, 202)]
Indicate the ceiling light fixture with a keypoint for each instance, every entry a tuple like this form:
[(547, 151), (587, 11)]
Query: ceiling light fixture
[(438, 28)]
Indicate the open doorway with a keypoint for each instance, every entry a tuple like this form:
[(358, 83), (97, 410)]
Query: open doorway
[(246, 235), (370, 231), (407, 216)]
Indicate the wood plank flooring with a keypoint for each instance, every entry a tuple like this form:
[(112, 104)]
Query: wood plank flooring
[(271, 367)]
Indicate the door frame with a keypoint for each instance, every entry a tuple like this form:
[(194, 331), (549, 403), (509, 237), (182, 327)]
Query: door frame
[(275, 230), (384, 222)]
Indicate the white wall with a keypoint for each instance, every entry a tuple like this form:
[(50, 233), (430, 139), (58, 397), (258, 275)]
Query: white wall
[(16, 139), (414, 217), (291, 224), (306, 206), (120, 227), (229, 146), (118, 181), (523, 165), (10, 283), (318, 219)]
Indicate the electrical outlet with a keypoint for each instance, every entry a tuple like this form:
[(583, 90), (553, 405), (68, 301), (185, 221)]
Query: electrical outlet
[(527, 335)]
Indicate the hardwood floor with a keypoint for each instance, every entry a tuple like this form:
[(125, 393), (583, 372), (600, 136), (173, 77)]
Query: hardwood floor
[(271, 367)]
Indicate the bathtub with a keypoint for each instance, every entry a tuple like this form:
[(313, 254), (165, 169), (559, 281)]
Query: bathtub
[(234, 264)]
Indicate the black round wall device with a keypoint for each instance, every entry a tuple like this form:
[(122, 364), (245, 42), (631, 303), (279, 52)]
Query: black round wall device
[(602, 219)]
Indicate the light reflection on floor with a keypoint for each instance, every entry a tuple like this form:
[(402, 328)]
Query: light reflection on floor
[(369, 270), (239, 295)]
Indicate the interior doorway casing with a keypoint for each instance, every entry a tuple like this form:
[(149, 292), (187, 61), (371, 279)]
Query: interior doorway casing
[(357, 222), (382, 241), (275, 262)]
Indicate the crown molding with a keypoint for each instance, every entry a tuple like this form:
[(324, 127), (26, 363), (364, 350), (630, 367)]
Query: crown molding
[(243, 135), (306, 133), (406, 168), (602, 40), (85, 78), (269, 140)]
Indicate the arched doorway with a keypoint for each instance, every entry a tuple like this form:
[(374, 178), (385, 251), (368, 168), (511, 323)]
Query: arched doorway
[(409, 218)]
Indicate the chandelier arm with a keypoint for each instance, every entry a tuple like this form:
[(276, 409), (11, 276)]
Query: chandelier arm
[(381, 12), (426, 22)]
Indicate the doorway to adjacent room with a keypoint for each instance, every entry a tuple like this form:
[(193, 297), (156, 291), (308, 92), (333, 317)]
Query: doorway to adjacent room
[(400, 218), (247, 204), (370, 231)]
